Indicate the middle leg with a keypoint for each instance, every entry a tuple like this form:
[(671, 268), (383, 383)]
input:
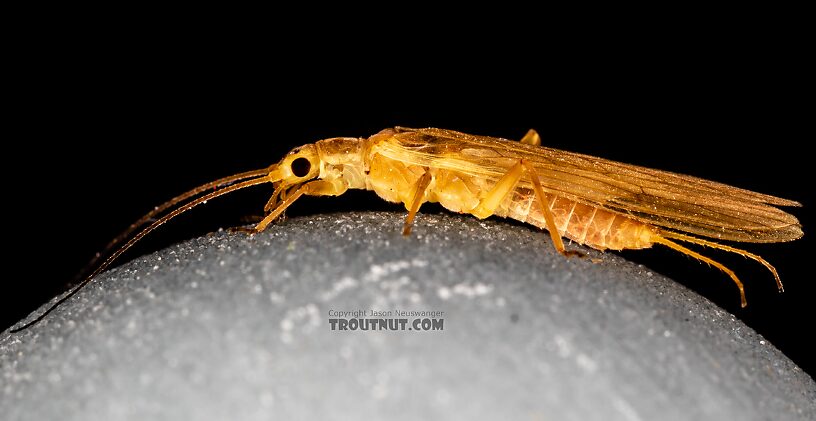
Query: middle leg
[(419, 193)]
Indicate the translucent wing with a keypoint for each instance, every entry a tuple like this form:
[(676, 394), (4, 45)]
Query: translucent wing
[(655, 197)]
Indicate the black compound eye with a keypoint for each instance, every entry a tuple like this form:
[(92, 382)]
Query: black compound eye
[(301, 167)]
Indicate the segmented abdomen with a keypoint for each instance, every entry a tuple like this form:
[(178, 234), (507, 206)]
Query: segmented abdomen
[(584, 224), (395, 182)]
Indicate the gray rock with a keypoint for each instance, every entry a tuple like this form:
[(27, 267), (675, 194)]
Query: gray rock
[(229, 326)]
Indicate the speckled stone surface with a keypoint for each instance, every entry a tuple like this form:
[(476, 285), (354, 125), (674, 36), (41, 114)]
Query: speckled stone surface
[(235, 327)]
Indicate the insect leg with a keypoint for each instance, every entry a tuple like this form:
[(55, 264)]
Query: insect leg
[(545, 207), (743, 253), (278, 196), (312, 188), (671, 244), (273, 200), (504, 186), (500, 190), (531, 138), (419, 192)]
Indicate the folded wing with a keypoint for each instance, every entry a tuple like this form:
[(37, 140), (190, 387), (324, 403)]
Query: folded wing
[(674, 201)]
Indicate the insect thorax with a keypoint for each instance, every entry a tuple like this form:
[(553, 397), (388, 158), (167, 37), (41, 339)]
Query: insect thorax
[(343, 158)]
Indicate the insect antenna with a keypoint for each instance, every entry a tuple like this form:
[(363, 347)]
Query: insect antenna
[(158, 210), (261, 178)]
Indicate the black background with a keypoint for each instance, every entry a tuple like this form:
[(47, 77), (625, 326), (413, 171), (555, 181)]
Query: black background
[(112, 123)]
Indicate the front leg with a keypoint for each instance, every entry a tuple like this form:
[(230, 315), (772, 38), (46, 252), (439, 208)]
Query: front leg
[(312, 188)]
